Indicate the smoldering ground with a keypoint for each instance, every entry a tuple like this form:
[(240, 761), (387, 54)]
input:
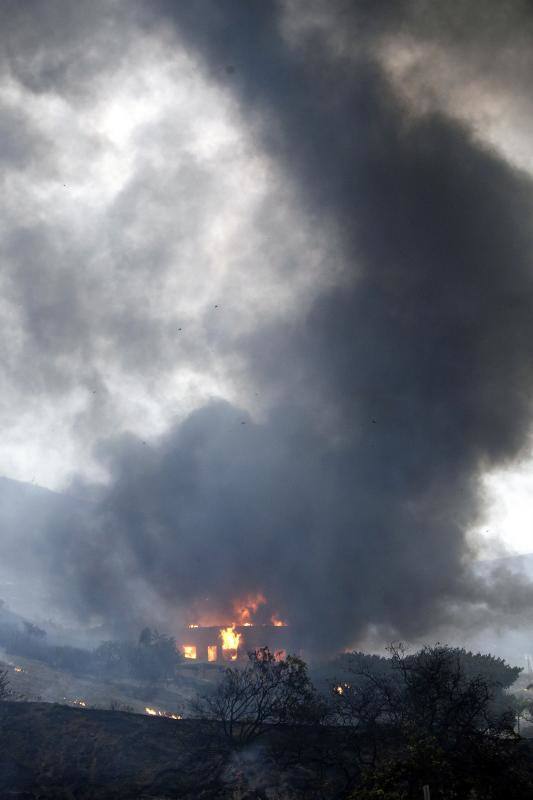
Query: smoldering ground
[(347, 501)]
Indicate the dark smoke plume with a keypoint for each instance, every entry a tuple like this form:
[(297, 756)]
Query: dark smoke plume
[(348, 505)]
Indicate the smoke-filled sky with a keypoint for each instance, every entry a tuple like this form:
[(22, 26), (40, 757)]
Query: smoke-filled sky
[(267, 309)]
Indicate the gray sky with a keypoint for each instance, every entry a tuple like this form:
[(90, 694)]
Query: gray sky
[(267, 309)]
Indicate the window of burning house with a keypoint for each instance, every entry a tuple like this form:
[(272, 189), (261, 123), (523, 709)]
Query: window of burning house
[(231, 641), (212, 652), (189, 651)]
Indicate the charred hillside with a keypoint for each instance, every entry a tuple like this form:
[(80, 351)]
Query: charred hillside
[(52, 751), (384, 728)]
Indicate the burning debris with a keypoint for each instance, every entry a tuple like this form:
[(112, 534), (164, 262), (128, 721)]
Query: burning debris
[(76, 702), (341, 688), (154, 712)]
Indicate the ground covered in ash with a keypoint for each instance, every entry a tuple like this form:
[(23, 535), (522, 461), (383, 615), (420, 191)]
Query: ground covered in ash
[(55, 751)]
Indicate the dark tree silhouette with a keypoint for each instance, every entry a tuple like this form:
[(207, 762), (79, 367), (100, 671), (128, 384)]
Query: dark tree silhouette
[(425, 719), (266, 692)]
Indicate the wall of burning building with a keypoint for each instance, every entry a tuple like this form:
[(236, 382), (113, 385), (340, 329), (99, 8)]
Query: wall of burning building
[(219, 644), (254, 624)]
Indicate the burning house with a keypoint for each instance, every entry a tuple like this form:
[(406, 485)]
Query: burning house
[(220, 644), (232, 640)]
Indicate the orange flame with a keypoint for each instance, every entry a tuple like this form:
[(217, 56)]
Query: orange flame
[(247, 607), (153, 712), (244, 614), (230, 640), (341, 689)]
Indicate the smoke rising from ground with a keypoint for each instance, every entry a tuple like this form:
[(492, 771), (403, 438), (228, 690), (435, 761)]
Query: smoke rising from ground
[(341, 476)]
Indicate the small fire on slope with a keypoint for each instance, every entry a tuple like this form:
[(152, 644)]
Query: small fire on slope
[(341, 688), (154, 712)]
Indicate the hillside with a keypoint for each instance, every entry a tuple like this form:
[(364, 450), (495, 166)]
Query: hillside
[(28, 517), (33, 680), (51, 751), (56, 751)]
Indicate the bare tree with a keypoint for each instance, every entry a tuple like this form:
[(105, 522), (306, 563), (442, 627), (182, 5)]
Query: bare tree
[(266, 692)]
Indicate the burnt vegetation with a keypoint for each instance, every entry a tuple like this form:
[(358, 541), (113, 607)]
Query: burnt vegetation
[(438, 718), (268, 692), (385, 728), (360, 727)]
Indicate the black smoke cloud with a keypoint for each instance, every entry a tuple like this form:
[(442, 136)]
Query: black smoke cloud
[(348, 505)]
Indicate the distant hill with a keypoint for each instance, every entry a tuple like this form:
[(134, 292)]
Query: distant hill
[(29, 515), (25, 512)]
